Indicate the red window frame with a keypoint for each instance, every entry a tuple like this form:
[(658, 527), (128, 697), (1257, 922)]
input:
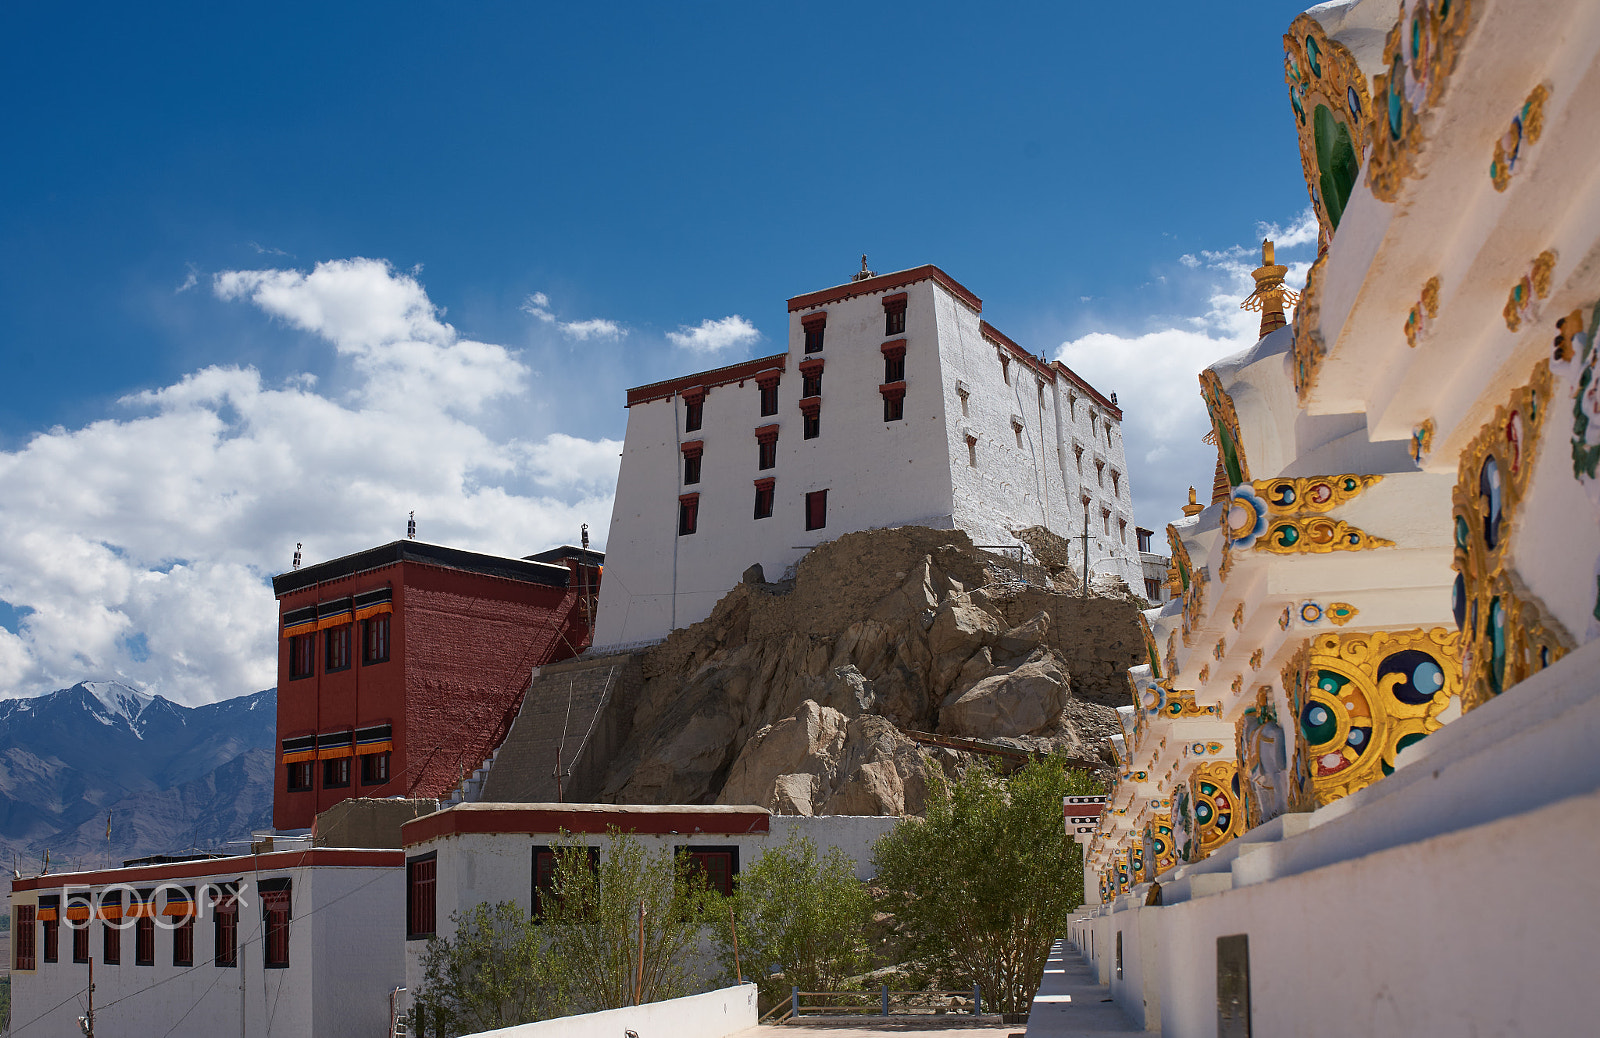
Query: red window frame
[(894, 314), (544, 874), (817, 510), (894, 360), (22, 932), (183, 943), (688, 514), (719, 865), (767, 447), (694, 411), (110, 944), (764, 495), (225, 931), (302, 656), (811, 378), (894, 401), (814, 326), (421, 896), (52, 939), (80, 941), (374, 768), (769, 395), (811, 409), (336, 644), (692, 452), (144, 941), (375, 639), (275, 912)]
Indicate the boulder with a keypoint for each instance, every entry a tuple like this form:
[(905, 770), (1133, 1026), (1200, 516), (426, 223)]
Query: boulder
[(1027, 699), (807, 743)]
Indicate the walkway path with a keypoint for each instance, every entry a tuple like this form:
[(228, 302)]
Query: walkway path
[(1072, 1003)]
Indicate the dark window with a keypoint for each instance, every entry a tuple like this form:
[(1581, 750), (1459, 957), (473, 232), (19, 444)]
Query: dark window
[(375, 639), (544, 874), (814, 335), (112, 944), (894, 368), (691, 469), (338, 648), (336, 773), (183, 943), (894, 315), (812, 425), (763, 500), (688, 514), (767, 454), (52, 939), (894, 408), (811, 382), (225, 929), (299, 776), (374, 769), (717, 864), (144, 941), (694, 412), (80, 938), (1005, 367), (22, 933), (1144, 539), (302, 656), (816, 509), (275, 913), (769, 398), (1152, 589), (421, 896)]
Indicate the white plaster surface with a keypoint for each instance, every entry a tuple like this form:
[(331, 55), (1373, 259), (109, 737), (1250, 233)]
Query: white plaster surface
[(713, 1014)]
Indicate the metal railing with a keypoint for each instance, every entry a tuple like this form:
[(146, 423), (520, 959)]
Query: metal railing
[(879, 1003)]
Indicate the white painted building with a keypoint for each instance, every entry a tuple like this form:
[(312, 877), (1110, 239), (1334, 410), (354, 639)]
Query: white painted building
[(894, 404), (1153, 568), (475, 853), (291, 944)]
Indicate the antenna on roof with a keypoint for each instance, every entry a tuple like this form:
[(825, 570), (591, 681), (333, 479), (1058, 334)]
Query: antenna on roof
[(297, 548), (865, 273), (411, 527)]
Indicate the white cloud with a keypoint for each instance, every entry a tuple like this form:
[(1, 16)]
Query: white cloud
[(714, 336), (1302, 231), (538, 304), (138, 547), (191, 280), (1155, 375)]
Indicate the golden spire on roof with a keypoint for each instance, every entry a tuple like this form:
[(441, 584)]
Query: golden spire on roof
[(1193, 507), (1270, 296)]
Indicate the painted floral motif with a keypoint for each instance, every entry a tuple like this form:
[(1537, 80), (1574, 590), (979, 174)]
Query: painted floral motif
[(1215, 789), (1205, 674), (1246, 517), (1220, 649), (1238, 616), (1525, 128), (1301, 535), (1312, 494), (1522, 303), (1507, 634), (1310, 613), (1283, 620), (1238, 683), (1340, 613), (1180, 703), (1255, 660), (1426, 308), (1161, 853), (1421, 53), (1366, 697), (1422, 442)]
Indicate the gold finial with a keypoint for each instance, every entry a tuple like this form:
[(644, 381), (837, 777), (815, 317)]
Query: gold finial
[(1270, 296), (1193, 507)]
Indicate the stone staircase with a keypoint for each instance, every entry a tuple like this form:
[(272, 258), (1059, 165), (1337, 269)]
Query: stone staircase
[(580, 709)]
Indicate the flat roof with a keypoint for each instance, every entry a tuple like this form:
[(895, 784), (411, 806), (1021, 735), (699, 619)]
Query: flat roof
[(740, 372), (1049, 368), (532, 572), (885, 282), (309, 857), (568, 551), (588, 819)]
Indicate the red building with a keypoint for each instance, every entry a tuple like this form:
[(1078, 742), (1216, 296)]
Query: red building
[(400, 667)]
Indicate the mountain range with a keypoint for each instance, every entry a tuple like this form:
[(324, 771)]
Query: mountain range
[(171, 779)]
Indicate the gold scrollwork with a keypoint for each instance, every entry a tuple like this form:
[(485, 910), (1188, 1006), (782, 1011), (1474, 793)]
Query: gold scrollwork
[(1297, 535), (1306, 343), (1508, 634), (1422, 441), (1525, 128), (1180, 703), (1423, 311), (1328, 93), (1362, 698), (1522, 302), (1225, 425), (1421, 52), (1312, 494), (1214, 786), (1159, 850)]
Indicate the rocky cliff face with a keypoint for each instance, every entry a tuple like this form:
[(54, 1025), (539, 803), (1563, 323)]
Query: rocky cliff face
[(798, 696)]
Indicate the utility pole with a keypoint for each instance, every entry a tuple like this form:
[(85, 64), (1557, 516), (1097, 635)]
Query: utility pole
[(87, 1020), (1083, 592)]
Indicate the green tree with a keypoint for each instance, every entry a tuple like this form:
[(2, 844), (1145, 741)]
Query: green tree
[(804, 911), (594, 915), (494, 972), (980, 889)]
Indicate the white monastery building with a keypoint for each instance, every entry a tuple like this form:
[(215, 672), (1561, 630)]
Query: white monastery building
[(895, 404)]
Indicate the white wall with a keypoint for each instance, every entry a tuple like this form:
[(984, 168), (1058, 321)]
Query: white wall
[(911, 472), (713, 1014), (342, 966)]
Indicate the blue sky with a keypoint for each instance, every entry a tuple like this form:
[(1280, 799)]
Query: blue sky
[(282, 274)]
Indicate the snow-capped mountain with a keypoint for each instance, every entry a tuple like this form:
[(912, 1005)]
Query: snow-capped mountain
[(171, 777)]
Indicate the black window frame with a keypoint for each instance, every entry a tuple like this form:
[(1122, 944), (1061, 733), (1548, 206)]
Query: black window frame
[(769, 398), (894, 317), (300, 776), (333, 766), (371, 774), (766, 455), (894, 407), (375, 632), (50, 949), (688, 514), (764, 497), (694, 414), (811, 425), (815, 332), (336, 649), (691, 469)]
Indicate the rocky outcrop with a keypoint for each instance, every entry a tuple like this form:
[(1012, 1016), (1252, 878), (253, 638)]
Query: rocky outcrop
[(798, 696)]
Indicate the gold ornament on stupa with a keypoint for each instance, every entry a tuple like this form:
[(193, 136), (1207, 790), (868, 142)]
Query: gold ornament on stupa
[(1271, 295)]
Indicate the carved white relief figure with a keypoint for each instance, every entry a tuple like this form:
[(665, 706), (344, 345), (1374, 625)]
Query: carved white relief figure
[(1269, 766)]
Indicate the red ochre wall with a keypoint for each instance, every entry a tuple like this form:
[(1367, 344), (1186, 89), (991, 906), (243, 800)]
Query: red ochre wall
[(461, 647)]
